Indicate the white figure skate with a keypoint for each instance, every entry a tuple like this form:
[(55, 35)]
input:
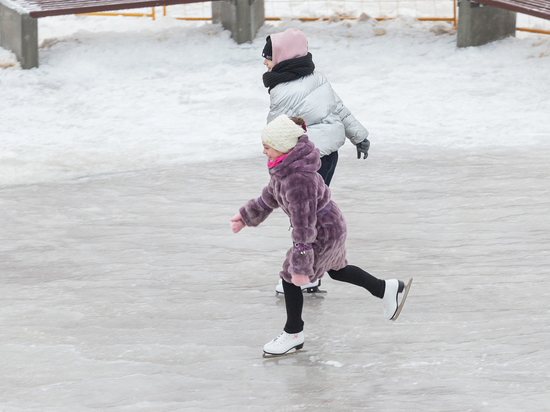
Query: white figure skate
[(309, 288), (392, 307), (284, 343)]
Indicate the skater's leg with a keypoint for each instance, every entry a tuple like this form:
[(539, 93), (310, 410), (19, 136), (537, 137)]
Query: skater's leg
[(357, 276), (387, 290), (293, 335), (294, 301), (328, 166)]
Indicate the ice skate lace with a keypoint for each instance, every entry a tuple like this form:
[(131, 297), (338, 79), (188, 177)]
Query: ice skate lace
[(279, 340)]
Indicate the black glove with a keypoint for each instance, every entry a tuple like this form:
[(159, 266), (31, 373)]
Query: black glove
[(363, 147)]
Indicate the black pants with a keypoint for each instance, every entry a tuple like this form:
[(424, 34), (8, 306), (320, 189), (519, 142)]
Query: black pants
[(294, 298), (328, 166)]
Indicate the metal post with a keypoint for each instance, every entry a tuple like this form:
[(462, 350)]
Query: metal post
[(479, 24), (19, 33), (242, 17)]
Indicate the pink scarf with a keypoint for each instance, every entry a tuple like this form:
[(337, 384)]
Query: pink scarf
[(272, 164)]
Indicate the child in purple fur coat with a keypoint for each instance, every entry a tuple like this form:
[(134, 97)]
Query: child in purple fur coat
[(318, 228)]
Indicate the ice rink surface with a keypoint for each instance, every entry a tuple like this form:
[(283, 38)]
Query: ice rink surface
[(123, 289), (129, 292)]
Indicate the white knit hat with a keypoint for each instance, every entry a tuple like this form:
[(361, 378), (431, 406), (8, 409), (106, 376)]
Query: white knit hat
[(282, 134)]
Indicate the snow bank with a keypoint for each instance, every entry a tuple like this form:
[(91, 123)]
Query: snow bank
[(122, 94)]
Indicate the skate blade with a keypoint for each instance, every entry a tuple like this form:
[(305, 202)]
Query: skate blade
[(405, 293), (307, 296), (292, 351), (308, 291), (313, 290)]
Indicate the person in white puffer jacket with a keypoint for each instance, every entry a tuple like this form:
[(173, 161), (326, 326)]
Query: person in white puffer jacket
[(297, 90)]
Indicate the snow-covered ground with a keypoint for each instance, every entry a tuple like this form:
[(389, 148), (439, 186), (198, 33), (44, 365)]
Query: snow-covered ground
[(124, 155), (118, 94)]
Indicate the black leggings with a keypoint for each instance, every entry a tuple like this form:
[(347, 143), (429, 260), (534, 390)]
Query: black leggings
[(294, 298), (328, 166)]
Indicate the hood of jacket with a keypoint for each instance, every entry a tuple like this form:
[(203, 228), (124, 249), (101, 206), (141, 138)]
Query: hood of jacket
[(290, 44), (305, 157)]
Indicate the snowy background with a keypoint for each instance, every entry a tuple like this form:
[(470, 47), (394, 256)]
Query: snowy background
[(119, 94), (124, 155)]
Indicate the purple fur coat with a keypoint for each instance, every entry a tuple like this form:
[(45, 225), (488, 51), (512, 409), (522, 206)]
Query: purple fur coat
[(318, 226)]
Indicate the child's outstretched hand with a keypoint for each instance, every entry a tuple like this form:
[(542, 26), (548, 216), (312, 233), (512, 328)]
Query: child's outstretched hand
[(300, 280), (237, 223)]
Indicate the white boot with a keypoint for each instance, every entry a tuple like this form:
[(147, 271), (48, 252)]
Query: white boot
[(285, 342), (393, 288), (311, 286)]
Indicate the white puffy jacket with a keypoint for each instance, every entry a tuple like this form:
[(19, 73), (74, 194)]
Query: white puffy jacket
[(328, 121)]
